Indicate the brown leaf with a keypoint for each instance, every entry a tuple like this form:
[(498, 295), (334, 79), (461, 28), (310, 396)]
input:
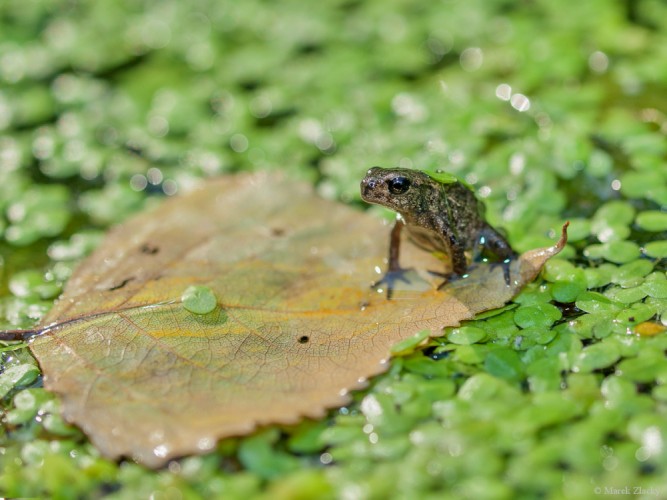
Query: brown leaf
[(297, 325)]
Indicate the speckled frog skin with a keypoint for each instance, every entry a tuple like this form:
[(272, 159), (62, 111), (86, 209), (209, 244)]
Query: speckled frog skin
[(440, 213)]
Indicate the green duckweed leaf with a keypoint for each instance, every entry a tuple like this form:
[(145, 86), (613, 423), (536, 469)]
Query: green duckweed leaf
[(643, 368), (567, 291), (593, 302), (632, 273), (579, 229), (596, 356), (408, 345), (16, 376), (471, 354), (42, 211), (441, 176), (199, 299), (656, 249), (616, 389), (534, 335), (543, 315), (616, 211), (505, 364), (558, 269), (600, 276), (618, 252), (656, 288), (568, 281), (466, 335), (258, 455), (544, 375), (650, 185), (660, 393), (26, 405), (626, 295), (485, 387), (611, 221), (652, 220), (636, 313)]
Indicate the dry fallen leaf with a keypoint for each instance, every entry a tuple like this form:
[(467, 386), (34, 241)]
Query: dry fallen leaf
[(296, 325)]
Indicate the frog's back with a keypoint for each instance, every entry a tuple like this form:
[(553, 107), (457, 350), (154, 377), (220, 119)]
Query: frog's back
[(467, 211), (452, 209)]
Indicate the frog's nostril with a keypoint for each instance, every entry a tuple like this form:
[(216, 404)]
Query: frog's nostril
[(367, 187)]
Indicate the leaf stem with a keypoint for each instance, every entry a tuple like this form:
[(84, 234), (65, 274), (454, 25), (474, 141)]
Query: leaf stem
[(16, 335)]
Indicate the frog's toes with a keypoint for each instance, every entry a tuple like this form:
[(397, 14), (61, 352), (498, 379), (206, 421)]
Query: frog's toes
[(449, 277), (439, 274), (505, 264), (390, 278)]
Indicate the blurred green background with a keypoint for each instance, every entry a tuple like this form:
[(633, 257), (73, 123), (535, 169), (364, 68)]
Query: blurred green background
[(552, 110)]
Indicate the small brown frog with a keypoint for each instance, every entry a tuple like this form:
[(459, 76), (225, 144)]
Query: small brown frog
[(440, 213)]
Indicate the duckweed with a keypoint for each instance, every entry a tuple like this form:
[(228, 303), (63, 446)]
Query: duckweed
[(105, 107), (578, 230), (32, 284), (466, 335), (596, 357), (656, 288), (41, 211), (537, 315), (656, 249), (26, 405), (17, 376), (408, 345), (652, 220), (618, 252), (504, 363), (567, 291), (632, 273), (199, 299)]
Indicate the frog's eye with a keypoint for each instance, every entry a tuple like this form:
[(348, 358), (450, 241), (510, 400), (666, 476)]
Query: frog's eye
[(398, 185)]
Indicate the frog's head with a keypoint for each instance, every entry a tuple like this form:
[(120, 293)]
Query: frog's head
[(404, 190)]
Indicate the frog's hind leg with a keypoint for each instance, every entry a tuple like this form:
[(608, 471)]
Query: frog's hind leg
[(459, 262), (493, 242)]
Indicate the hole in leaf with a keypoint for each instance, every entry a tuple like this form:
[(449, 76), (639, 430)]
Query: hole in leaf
[(149, 249), (121, 284), (304, 339)]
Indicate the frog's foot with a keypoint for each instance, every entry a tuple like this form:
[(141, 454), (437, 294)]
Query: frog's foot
[(448, 278), (390, 278), (505, 264), (451, 276)]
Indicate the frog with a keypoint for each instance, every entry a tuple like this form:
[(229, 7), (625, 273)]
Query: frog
[(441, 214)]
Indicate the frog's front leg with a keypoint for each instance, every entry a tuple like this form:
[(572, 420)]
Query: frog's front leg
[(394, 271)]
